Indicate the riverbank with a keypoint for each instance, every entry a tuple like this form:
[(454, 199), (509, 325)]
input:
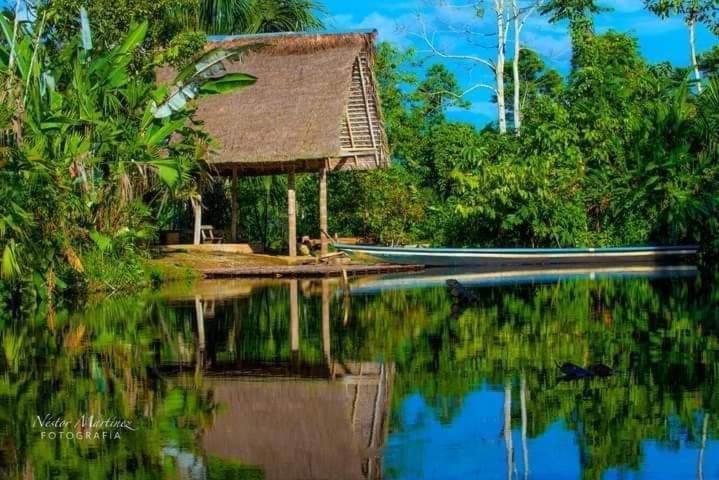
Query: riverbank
[(221, 264)]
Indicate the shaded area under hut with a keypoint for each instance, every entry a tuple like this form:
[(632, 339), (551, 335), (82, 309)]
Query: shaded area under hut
[(314, 109)]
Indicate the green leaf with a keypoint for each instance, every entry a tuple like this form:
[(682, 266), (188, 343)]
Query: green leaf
[(159, 135), (134, 38), (211, 58), (103, 242), (167, 171), (228, 83), (6, 28), (10, 267), (85, 32)]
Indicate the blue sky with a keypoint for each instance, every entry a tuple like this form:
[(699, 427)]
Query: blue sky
[(401, 21)]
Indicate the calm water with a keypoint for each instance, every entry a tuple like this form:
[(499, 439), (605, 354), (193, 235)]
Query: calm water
[(391, 379)]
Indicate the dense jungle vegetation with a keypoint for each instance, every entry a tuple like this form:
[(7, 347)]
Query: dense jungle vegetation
[(617, 151)]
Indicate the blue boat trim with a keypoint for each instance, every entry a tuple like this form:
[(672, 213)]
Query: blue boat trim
[(520, 256)]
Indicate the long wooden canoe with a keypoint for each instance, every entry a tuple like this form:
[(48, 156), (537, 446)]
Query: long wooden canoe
[(521, 256)]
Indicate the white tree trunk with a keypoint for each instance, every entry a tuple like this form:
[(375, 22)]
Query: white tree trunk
[(515, 68), (700, 467), (693, 50), (499, 66), (508, 428), (523, 406)]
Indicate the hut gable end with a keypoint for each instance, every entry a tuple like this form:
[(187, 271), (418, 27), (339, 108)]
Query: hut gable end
[(362, 124)]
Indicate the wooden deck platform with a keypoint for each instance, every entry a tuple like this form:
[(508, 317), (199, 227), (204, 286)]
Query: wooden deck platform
[(306, 271)]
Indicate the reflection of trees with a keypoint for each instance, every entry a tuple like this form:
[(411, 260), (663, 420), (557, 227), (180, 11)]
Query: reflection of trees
[(97, 364), (662, 336)]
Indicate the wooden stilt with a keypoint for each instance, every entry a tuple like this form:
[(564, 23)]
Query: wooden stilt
[(326, 338), (200, 317), (323, 211), (291, 215), (197, 209), (234, 205), (294, 317)]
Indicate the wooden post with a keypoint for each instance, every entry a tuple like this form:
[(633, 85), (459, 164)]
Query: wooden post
[(294, 317), (291, 215), (326, 337), (197, 209), (234, 205), (200, 317), (323, 211)]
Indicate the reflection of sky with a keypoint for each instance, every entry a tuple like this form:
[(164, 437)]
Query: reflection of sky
[(662, 462), (472, 446)]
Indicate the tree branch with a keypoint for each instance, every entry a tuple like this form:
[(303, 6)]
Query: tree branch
[(436, 51)]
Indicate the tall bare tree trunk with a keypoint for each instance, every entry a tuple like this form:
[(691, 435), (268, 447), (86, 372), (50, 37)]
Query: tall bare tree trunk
[(508, 428), (499, 66), (523, 406), (693, 50), (700, 466), (515, 68)]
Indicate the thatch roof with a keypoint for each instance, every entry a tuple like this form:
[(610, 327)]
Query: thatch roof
[(314, 104)]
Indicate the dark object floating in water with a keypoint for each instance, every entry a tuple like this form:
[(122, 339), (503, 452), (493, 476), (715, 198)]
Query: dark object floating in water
[(432, 257), (460, 294), (575, 372)]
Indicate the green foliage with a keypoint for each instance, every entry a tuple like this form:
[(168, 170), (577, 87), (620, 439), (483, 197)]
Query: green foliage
[(257, 16), (619, 152), (111, 19), (86, 161), (693, 11)]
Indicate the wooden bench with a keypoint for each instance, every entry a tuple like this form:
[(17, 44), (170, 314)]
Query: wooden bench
[(207, 234)]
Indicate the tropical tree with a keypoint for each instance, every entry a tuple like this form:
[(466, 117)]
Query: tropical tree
[(693, 12), (581, 25), (89, 133), (256, 16)]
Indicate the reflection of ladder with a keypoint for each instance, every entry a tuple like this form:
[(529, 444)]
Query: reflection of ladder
[(368, 387), (209, 308)]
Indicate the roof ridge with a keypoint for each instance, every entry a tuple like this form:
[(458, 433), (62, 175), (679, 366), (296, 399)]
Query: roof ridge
[(273, 35)]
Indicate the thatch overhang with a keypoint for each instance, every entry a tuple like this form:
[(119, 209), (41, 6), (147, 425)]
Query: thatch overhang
[(315, 105)]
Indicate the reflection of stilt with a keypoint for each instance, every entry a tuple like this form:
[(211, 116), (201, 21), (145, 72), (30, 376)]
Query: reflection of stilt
[(344, 282), (523, 406), (233, 332), (705, 426), (200, 315), (508, 427), (326, 324), (294, 320)]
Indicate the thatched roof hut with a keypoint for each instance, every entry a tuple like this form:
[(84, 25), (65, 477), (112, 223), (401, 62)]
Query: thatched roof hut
[(314, 108)]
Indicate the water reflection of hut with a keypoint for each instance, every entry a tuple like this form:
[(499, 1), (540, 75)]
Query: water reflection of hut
[(296, 419), (306, 428)]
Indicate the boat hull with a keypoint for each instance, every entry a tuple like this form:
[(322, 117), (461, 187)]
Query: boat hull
[(521, 256)]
